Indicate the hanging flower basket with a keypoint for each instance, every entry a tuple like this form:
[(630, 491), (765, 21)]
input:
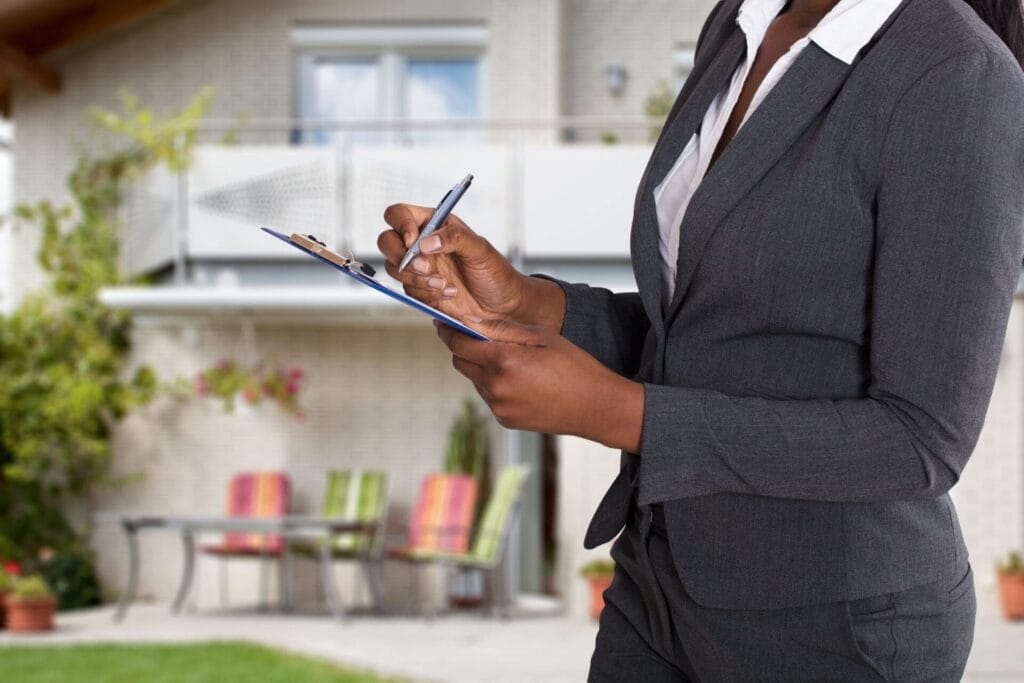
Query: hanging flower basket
[(238, 386)]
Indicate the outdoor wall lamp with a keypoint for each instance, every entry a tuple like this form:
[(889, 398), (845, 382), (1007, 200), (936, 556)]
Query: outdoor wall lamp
[(615, 77)]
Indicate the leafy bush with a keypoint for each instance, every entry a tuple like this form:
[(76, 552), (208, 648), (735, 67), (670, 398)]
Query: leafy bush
[(5, 581), (71, 576), (30, 520), (64, 380)]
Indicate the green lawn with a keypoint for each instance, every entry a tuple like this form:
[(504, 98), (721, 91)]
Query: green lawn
[(218, 662)]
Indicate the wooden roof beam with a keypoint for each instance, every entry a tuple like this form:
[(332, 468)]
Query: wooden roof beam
[(17, 63)]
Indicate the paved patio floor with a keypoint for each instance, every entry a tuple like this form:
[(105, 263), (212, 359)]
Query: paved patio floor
[(454, 648)]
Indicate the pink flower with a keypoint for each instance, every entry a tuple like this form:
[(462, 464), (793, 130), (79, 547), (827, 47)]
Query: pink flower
[(12, 569), (295, 374), (250, 395), (202, 388), (224, 364), (291, 387)]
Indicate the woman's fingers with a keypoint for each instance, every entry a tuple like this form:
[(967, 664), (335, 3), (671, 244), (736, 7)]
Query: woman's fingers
[(390, 245), (454, 237), (473, 372), (406, 220), (463, 346), (433, 283)]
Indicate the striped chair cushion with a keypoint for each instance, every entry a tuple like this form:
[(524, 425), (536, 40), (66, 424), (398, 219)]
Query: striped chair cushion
[(443, 516), (497, 514), (257, 494), (355, 495)]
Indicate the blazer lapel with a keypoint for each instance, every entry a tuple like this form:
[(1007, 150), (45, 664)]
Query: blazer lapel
[(796, 100), (682, 122)]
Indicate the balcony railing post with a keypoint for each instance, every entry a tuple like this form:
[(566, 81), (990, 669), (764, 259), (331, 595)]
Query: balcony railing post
[(181, 231)]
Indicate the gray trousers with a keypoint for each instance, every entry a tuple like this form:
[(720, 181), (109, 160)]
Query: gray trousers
[(651, 630)]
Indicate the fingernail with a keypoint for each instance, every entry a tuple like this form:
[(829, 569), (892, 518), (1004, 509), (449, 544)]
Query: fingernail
[(475, 319), (435, 282), (421, 265), (450, 291), (430, 244)]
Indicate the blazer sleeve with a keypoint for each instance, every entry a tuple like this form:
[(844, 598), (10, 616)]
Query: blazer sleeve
[(949, 222), (610, 327)]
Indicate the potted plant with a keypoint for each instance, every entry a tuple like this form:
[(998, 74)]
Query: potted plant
[(598, 574), (30, 605), (468, 452), (1011, 586)]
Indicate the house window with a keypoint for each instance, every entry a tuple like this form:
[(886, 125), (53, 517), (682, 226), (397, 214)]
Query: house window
[(392, 74)]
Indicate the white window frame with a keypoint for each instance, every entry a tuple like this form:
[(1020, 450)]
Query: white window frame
[(392, 47)]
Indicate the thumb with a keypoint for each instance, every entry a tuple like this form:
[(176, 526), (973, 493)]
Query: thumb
[(455, 237), (511, 332)]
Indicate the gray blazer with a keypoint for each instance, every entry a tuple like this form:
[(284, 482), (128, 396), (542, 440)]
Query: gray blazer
[(845, 274)]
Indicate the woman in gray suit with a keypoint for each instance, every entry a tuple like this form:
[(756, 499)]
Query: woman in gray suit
[(826, 242)]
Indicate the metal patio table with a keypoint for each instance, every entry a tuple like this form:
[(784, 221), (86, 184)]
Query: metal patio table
[(325, 529)]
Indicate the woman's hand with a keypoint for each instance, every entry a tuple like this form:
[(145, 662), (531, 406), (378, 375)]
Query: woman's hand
[(462, 274), (532, 378)]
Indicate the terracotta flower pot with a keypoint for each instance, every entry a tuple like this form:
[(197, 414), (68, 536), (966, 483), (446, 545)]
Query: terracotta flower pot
[(30, 615), (1011, 594), (598, 585)]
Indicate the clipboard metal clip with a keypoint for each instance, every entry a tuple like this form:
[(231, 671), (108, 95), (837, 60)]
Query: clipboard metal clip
[(343, 257)]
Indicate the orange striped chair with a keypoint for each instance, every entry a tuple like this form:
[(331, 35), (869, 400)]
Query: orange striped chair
[(254, 494), (441, 521)]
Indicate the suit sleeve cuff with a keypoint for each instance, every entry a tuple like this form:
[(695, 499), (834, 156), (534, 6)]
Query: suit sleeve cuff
[(580, 310), (678, 455)]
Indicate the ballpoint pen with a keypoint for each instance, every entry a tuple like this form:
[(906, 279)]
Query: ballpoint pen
[(444, 208)]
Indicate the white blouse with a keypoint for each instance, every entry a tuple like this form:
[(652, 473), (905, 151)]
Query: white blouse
[(842, 33)]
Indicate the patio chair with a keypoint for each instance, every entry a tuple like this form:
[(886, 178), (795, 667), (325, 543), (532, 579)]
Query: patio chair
[(490, 540), (362, 496), (255, 494), (441, 521)]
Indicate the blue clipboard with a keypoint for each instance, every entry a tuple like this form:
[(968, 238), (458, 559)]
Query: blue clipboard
[(373, 284)]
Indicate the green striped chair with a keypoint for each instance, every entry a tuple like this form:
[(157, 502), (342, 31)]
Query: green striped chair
[(491, 537), (362, 496)]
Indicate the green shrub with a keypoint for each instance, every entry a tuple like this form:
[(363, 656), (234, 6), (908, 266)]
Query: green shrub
[(71, 575), (65, 380), (5, 581)]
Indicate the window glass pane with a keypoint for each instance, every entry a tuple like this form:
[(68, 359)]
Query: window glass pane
[(345, 89), (442, 89)]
